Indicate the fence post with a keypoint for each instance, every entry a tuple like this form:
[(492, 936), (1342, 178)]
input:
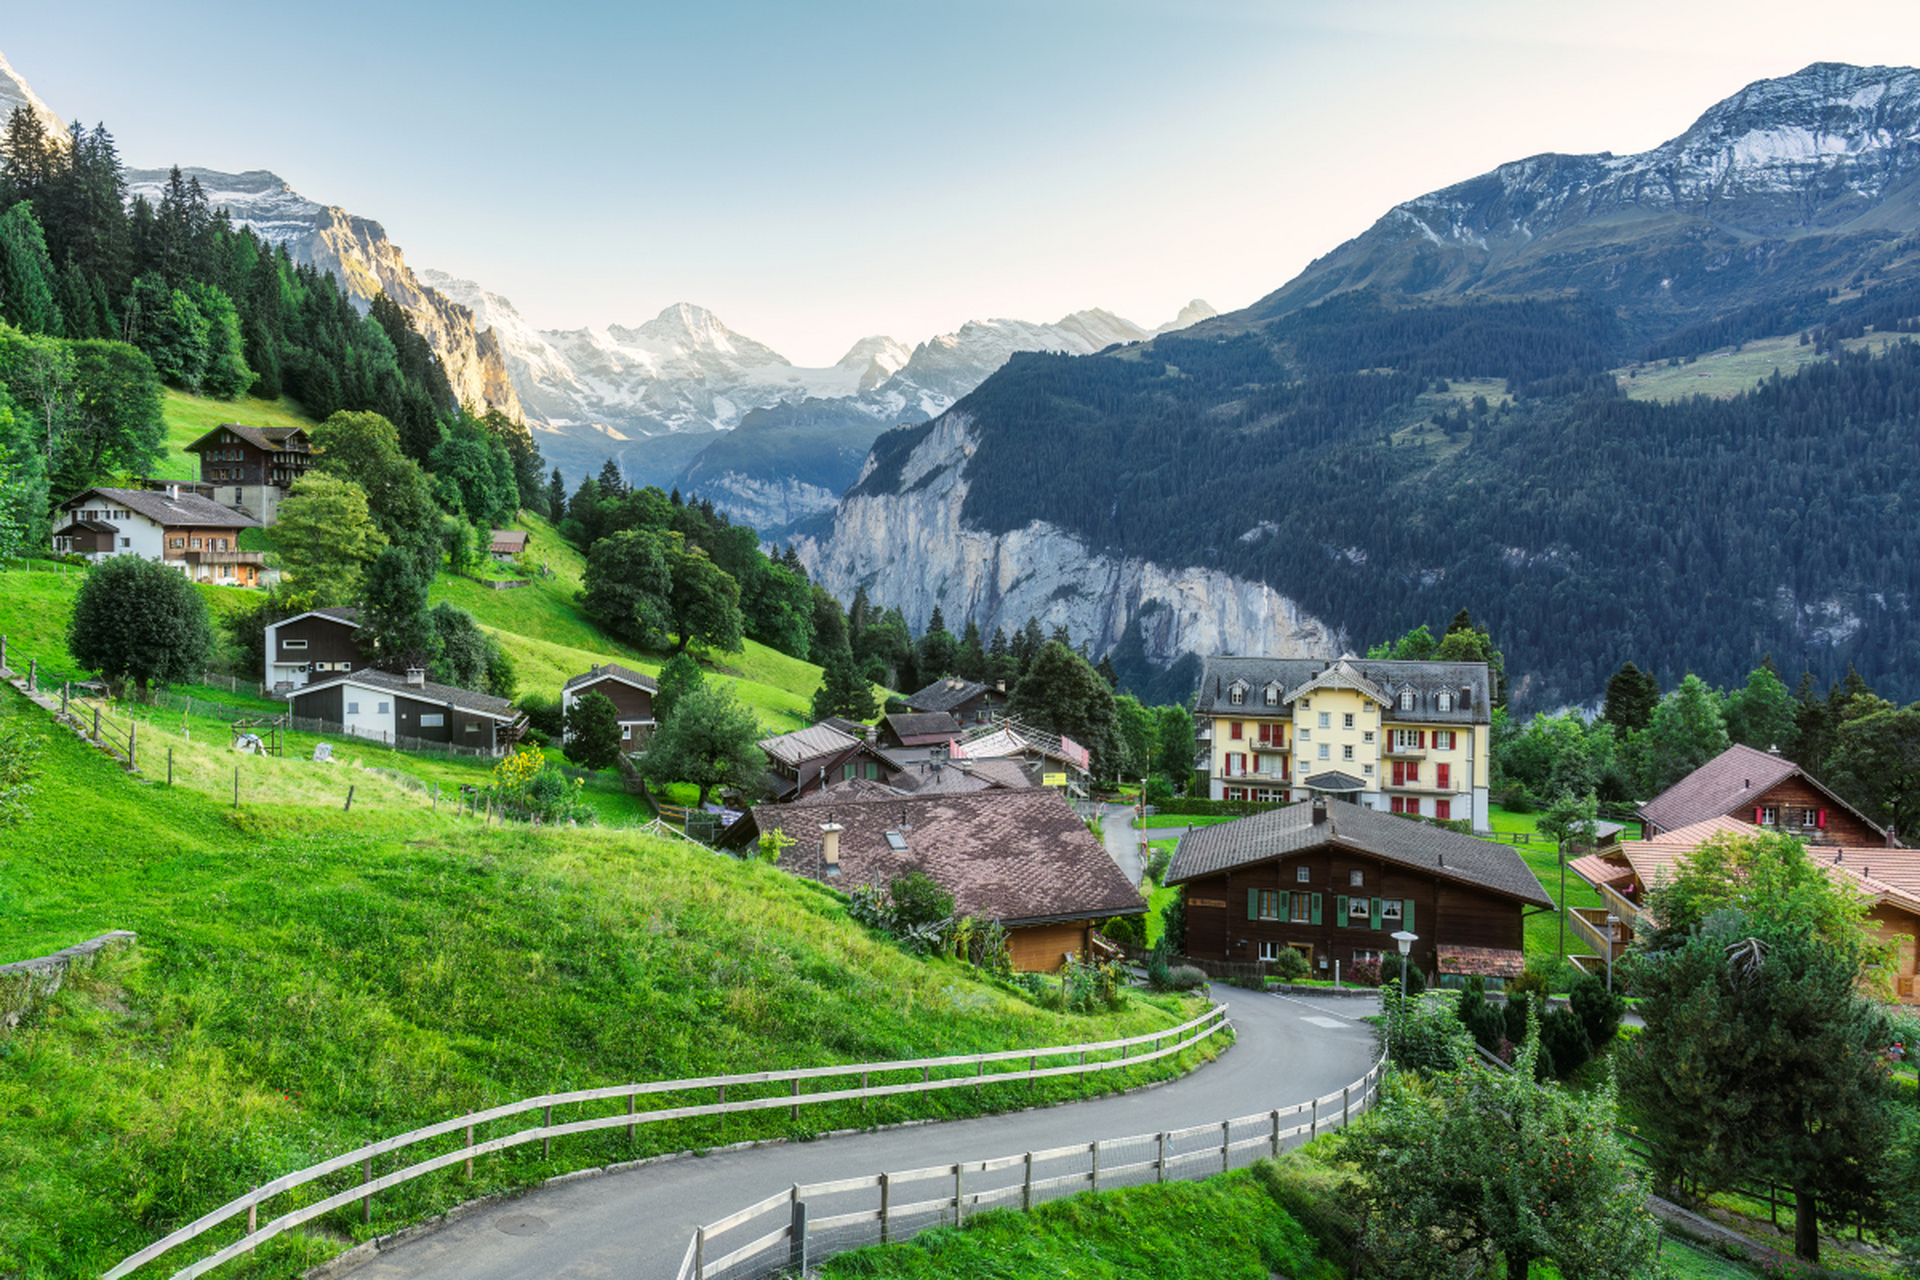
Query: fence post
[(469, 1158), (959, 1194), (1226, 1145), (700, 1253), (253, 1214), (633, 1103), (1026, 1186), (546, 1143), (886, 1222), (1313, 1123), (1095, 1149), (797, 1233), (236, 786), (366, 1201), (796, 1093), (96, 724), (3, 652), (133, 755), (169, 766), (1160, 1165), (33, 675), (1346, 1103), (1275, 1114), (348, 807)]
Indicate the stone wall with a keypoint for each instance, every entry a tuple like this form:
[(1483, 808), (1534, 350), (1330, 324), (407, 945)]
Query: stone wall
[(26, 983)]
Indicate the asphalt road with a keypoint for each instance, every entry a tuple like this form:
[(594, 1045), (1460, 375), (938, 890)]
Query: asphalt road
[(636, 1225)]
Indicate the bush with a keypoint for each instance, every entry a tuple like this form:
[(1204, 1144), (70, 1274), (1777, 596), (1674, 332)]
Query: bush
[(544, 715), (1390, 975), (1365, 973), (918, 899), (1128, 931), (1598, 1009), (1157, 791), (1185, 977), (1173, 923), (1157, 865), (1291, 966), (1425, 1034), (1089, 988), (1564, 1046)]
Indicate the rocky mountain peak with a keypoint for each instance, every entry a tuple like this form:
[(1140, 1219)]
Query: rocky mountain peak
[(16, 92)]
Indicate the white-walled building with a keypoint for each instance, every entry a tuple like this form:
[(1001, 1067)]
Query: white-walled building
[(172, 525)]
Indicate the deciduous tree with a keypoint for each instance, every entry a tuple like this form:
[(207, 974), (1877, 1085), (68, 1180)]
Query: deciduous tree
[(325, 538), (1876, 764), (593, 731), (139, 620), (629, 588), (705, 602), (710, 742)]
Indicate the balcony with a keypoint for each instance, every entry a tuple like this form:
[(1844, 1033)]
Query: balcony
[(1392, 752), (1424, 787), (1244, 776), (1590, 926), (224, 557)]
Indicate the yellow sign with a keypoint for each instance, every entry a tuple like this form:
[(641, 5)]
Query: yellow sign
[(1053, 779)]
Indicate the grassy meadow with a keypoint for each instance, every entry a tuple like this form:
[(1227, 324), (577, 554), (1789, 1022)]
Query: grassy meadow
[(308, 979)]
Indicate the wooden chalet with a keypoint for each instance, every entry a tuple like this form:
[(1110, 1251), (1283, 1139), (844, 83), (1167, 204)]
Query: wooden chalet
[(1334, 881), (631, 693), (375, 704), (173, 525), (1887, 879), (314, 645), (968, 701), (251, 469), (906, 730), (508, 543), (1766, 790), (807, 759), (1022, 857)]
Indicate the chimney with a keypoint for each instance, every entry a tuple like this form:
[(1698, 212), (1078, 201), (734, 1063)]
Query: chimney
[(1774, 750), (416, 677), (1319, 810), (830, 846)]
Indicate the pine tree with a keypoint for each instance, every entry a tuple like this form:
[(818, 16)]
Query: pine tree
[(612, 483), (556, 498), (843, 690), (1632, 695)]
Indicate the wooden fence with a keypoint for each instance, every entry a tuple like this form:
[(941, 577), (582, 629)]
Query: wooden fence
[(799, 1237), (972, 1069)]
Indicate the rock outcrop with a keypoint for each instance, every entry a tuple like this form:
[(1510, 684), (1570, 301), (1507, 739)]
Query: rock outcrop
[(909, 548)]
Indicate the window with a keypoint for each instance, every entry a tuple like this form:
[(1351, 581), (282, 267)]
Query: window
[(1326, 720), (1769, 817), (126, 542), (433, 720), (1390, 910), (1323, 751), (193, 544), (353, 708), (1268, 904), (1366, 736), (1809, 817), (1236, 729), (1443, 739), (1367, 770), (849, 771), (1346, 752), (1357, 908), (1407, 740), (1269, 951), (384, 708), (871, 770), (1303, 908), (293, 644), (1406, 699), (1237, 695), (1346, 721), (1305, 703), (1356, 877), (1304, 734), (176, 542), (473, 728), (1443, 702), (1302, 873), (1443, 809), (1273, 695), (1362, 955)]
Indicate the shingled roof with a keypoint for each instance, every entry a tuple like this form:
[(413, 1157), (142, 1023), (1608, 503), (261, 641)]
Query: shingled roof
[(1382, 679), (937, 777), (179, 510), (947, 693), (481, 704), (1419, 846), (613, 670), (929, 725), (1728, 782), (810, 743), (269, 439), (1020, 857)]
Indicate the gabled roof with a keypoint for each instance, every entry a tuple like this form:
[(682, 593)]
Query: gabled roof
[(806, 744), (1735, 778), (930, 725), (613, 671), (181, 510), (1418, 846), (1020, 857), (849, 789), (947, 693), (936, 777), (480, 704), (1333, 781), (91, 526), (332, 613), (1381, 679), (509, 541), (268, 439), (852, 728)]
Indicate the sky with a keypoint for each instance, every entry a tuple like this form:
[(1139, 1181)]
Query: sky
[(814, 173)]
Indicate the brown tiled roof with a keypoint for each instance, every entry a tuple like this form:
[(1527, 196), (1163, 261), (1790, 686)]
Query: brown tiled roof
[(1891, 875), (184, 511), (1730, 781), (605, 670), (1419, 846), (1484, 962), (932, 726), (939, 778), (268, 439), (1014, 856), (852, 728), (845, 791), (1597, 870), (508, 541)]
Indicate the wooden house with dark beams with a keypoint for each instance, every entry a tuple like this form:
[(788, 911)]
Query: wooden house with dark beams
[(805, 760), (1767, 790), (1334, 881), (1022, 857), (968, 701), (251, 469), (315, 645), (631, 693)]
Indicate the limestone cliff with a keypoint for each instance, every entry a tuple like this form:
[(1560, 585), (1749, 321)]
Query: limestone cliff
[(909, 548)]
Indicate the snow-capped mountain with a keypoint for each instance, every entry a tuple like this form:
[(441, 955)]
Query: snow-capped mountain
[(652, 397), (358, 253), (1747, 203), (15, 92)]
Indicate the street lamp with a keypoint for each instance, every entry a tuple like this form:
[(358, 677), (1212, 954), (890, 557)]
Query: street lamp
[(1613, 936), (1405, 941)]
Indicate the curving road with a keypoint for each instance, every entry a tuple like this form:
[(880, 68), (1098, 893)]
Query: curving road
[(635, 1225)]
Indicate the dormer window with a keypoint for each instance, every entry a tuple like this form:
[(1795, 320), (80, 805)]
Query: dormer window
[(1406, 699), (1237, 694), (1273, 695), (1443, 703)]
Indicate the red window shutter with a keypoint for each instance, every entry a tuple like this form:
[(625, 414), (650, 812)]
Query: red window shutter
[(1423, 739), (1233, 730), (1413, 773), (1756, 815), (1822, 824), (1443, 809), (1441, 774)]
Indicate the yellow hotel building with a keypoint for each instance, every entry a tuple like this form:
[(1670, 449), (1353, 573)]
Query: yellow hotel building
[(1402, 737)]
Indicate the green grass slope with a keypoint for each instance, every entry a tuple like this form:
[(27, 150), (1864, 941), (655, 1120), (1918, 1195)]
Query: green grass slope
[(308, 979)]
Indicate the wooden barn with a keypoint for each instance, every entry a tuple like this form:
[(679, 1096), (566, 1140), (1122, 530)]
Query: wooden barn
[(1334, 881)]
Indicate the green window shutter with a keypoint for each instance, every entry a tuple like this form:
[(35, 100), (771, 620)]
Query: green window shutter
[(1286, 905), (1316, 908), (1406, 909), (1253, 904), (1375, 923), (1340, 911)]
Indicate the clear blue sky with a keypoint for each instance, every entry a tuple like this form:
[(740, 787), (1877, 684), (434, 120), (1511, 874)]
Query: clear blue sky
[(819, 172)]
